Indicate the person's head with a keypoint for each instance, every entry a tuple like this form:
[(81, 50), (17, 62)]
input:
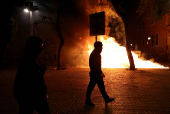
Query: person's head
[(34, 46), (98, 46)]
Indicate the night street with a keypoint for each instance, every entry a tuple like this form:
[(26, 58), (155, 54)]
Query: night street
[(53, 52), (144, 91)]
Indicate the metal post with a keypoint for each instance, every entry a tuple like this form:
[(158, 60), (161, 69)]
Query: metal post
[(31, 21), (34, 29), (148, 48), (167, 53), (96, 38)]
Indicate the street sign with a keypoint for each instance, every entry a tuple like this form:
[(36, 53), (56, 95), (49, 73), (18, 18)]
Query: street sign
[(97, 24)]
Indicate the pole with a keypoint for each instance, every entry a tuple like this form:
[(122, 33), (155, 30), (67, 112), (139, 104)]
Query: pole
[(31, 21), (96, 38), (34, 28), (148, 48)]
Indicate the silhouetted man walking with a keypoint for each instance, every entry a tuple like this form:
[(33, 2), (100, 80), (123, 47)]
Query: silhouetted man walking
[(29, 87), (96, 74)]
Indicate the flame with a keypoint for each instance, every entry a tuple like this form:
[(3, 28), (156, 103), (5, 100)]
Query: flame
[(115, 56)]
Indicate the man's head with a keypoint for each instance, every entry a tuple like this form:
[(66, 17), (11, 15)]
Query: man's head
[(33, 46), (98, 46)]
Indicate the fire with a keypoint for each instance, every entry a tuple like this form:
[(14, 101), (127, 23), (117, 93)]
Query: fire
[(115, 56)]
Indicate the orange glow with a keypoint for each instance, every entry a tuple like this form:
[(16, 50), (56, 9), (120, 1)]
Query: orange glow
[(115, 56)]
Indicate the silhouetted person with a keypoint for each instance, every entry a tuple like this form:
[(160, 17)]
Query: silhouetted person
[(96, 75), (29, 87)]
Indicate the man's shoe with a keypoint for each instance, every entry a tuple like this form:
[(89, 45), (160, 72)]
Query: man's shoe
[(89, 103), (109, 100)]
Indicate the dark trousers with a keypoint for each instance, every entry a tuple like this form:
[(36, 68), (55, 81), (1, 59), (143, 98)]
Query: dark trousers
[(28, 106), (99, 81)]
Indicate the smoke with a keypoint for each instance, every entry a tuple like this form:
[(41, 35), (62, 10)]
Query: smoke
[(75, 29), (75, 23)]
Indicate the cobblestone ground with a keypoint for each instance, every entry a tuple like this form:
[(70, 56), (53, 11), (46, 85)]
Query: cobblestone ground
[(143, 91)]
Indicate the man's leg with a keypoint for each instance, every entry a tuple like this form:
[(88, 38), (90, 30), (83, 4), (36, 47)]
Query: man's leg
[(101, 86), (42, 106), (90, 88)]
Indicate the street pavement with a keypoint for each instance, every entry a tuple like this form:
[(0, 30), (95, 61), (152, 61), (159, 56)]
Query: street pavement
[(142, 91)]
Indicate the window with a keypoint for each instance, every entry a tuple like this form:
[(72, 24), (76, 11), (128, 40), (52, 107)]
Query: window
[(152, 40), (156, 39)]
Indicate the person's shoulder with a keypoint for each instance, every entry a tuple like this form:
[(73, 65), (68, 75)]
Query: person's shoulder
[(92, 54)]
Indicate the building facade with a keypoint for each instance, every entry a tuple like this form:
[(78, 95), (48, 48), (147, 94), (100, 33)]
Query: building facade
[(152, 38), (155, 39)]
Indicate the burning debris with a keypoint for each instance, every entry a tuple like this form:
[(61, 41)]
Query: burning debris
[(115, 56)]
